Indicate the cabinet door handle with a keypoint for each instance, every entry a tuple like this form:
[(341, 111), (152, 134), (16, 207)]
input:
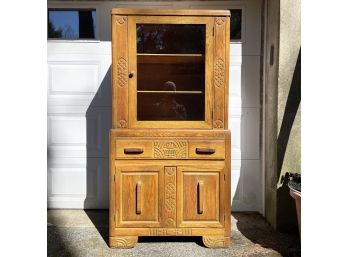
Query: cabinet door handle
[(205, 150), (133, 150), (138, 198), (200, 193)]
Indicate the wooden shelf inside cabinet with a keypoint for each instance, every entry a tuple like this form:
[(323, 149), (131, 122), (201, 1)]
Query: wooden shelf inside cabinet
[(169, 58)]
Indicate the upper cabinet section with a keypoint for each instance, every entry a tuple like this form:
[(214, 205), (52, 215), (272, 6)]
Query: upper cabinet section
[(170, 68)]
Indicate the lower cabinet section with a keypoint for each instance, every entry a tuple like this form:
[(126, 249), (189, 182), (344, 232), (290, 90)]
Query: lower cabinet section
[(168, 198)]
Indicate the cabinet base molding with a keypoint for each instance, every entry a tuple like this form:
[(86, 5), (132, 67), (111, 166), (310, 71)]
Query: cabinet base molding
[(216, 241), (123, 241), (170, 232), (120, 232)]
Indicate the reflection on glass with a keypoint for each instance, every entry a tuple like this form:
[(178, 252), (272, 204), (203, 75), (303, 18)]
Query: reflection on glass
[(71, 24), (170, 72), (167, 107), (164, 38)]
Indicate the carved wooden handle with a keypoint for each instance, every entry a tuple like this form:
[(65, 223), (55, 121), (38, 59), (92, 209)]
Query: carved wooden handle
[(133, 150), (200, 188), (205, 150), (138, 198)]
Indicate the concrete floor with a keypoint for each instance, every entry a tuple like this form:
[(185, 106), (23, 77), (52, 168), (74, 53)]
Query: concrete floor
[(84, 233)]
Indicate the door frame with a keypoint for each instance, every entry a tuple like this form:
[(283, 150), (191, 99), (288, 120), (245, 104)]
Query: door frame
[(132, 66)]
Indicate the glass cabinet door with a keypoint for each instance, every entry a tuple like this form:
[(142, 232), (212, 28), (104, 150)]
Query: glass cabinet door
[(169, 76)]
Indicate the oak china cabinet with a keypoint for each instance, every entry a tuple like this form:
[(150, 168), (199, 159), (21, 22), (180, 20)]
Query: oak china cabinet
[(169, 142)]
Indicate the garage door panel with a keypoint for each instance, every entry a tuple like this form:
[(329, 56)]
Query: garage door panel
[(235, 84), (66, 130), (79, 80), (73, 78), (78, 184), (80, 135), (67, 181)]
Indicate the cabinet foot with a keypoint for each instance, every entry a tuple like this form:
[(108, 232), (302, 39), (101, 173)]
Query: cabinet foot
[(216, 241), (122, 241)]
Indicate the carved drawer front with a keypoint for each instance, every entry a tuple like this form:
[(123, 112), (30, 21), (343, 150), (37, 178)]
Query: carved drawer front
[(140, 195), (171, 149), (207, 149), (134, 148), (199, 199)]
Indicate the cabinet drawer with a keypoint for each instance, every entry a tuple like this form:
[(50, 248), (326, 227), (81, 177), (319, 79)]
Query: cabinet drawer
[(207, 149), (130, 148)]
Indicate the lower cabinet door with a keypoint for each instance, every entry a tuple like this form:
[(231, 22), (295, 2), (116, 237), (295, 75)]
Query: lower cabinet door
[(138, 195), (200, 196)]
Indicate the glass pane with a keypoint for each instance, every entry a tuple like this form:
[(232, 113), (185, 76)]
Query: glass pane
[(176, 39), (170, 72), (71, 24), (236, 24)]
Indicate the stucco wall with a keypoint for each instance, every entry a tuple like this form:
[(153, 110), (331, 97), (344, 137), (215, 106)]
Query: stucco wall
[(282, 109), (289, 112), (289, 47)]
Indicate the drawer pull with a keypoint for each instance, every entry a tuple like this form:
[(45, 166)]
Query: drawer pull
[(200, 193), (133, 150), (138, 198), (205, 150)]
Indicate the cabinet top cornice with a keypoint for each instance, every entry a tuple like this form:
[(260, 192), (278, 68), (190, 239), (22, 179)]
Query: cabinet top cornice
[(170, 12)]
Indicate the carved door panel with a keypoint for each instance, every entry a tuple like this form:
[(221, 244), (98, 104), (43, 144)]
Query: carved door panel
[(200, 196), (138, 195)]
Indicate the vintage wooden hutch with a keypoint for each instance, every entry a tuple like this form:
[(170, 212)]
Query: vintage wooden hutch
[(169, 142)]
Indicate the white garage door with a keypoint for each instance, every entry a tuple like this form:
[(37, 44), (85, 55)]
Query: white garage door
[(79, 108)]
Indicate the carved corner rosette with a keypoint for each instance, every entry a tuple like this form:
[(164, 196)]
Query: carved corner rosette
[(121, 19), (122, 124), (169, 222), (218, 124), (220, 21)]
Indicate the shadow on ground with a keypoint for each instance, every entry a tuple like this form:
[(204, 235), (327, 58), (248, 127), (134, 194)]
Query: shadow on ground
[(255, 228), (100, 220)]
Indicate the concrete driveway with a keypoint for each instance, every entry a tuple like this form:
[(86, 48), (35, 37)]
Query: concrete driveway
[(83, 233)]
